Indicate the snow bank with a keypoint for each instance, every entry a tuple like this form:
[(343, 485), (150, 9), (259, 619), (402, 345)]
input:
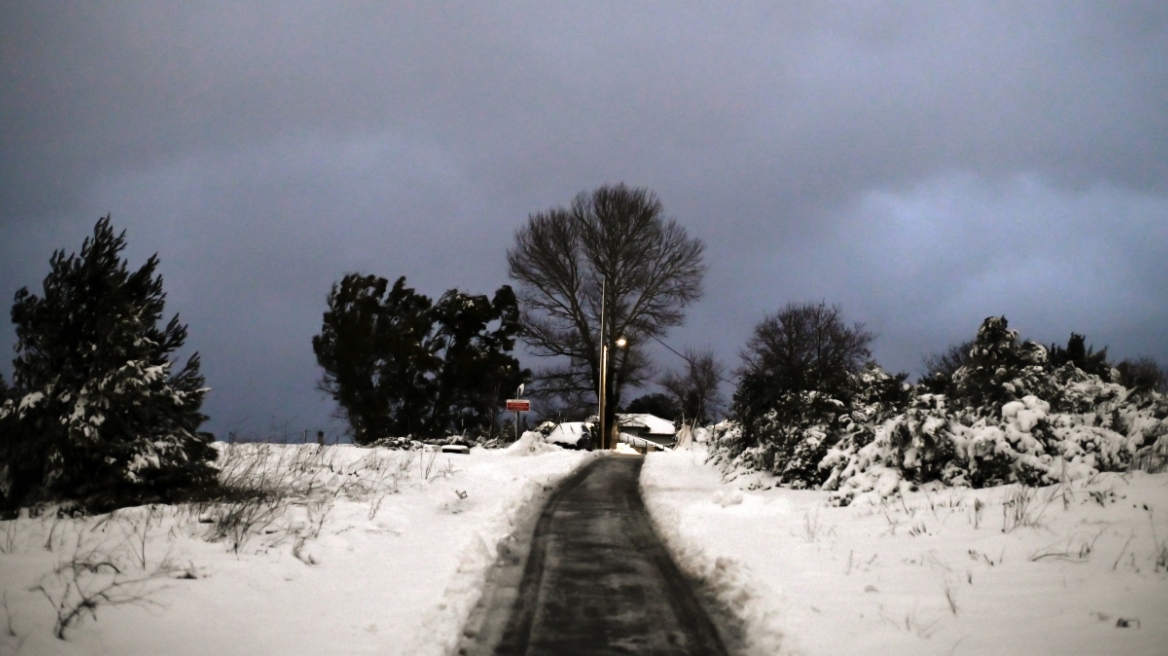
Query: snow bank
[(531, 443), (1077, 568)]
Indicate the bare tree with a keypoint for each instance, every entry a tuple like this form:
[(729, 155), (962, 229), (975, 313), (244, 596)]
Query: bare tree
[(613, 239), (945, 364), (806, 347), (1143, 373), (797, 367), (696, 387)]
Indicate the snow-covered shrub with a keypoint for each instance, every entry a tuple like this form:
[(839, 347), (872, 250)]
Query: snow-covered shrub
[(1012, 417), (101, 415), (1000, 369), (802, 429), (804, 369), (397, 443)]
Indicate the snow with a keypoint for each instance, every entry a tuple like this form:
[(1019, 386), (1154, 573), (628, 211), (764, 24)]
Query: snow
[(373, 551), (655, 424), (1075, 568), (377, 551), (569, 432), (634, 442), (30, 401)]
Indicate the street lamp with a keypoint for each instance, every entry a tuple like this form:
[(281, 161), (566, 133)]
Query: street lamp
[(605, 431)]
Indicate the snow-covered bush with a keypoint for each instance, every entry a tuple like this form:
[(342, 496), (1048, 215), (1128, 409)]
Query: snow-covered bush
[(792, 439), (1012, 417), (101, 415), (1000, 369), (803, 375)]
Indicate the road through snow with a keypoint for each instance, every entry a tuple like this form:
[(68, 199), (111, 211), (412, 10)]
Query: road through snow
[(598, 580)]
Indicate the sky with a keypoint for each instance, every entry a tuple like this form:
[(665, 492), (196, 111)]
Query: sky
[(922, 164)]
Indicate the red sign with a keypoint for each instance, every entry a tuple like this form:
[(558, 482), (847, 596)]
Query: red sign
[(518, 405)]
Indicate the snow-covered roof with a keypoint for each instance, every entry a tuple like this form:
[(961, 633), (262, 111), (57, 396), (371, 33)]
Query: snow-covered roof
[(655, 425), (569, 432)]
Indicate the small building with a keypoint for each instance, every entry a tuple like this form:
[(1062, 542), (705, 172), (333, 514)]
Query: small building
[(643, 432), (648, 427)]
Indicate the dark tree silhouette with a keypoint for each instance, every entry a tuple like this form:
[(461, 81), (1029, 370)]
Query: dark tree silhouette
[(1081, 356), (940, 367), (946, 363), (1143, 374), (398, 364), (798, 369), (697, 387), (802, 348), (99, 415), (475, 336), (657, 404), (616, 238), (806, 347), (376, 351)]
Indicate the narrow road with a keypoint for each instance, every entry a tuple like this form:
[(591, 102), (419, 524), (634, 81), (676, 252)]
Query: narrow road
[(598, 581)]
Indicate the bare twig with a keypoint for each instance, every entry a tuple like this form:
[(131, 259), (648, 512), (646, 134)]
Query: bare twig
[(8, 629), (87, 582), (1121, 552)]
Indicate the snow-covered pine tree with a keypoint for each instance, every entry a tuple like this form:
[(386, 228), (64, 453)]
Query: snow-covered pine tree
[(1000, 369), (101, 416)]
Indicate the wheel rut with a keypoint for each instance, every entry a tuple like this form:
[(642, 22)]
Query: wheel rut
[(596, 579)]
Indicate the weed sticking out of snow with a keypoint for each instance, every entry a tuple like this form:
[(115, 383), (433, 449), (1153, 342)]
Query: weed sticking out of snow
[(1020, 507), (929, 571)]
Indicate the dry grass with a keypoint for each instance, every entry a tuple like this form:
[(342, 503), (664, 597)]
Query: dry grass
[(267, 494), (1020, 507)]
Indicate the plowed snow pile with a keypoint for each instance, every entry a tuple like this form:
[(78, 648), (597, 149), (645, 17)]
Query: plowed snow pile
[(1076, 568)]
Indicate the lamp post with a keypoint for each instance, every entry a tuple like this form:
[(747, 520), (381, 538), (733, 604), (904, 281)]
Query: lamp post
[(602, 437), (602, 393), (605, 430)]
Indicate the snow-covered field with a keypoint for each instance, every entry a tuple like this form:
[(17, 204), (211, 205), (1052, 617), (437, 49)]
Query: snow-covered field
[(367, 551), (1080, 568)]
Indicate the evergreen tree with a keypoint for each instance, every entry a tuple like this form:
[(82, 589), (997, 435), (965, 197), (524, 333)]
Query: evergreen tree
[(99, 415), (1081, 356), (1000, 369), (376, 350), (397, 364), (476, 336), (657, 404)]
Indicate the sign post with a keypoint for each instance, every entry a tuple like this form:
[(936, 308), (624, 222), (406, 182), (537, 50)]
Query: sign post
[(517, 406)]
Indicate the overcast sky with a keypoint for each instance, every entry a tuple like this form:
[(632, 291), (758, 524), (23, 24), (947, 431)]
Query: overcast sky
[(924, 165)]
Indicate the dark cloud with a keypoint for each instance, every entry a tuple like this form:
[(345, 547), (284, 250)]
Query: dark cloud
[(923, 164)]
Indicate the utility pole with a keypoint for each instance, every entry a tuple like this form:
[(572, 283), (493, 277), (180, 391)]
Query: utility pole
[(606, 440), (603, 435)]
